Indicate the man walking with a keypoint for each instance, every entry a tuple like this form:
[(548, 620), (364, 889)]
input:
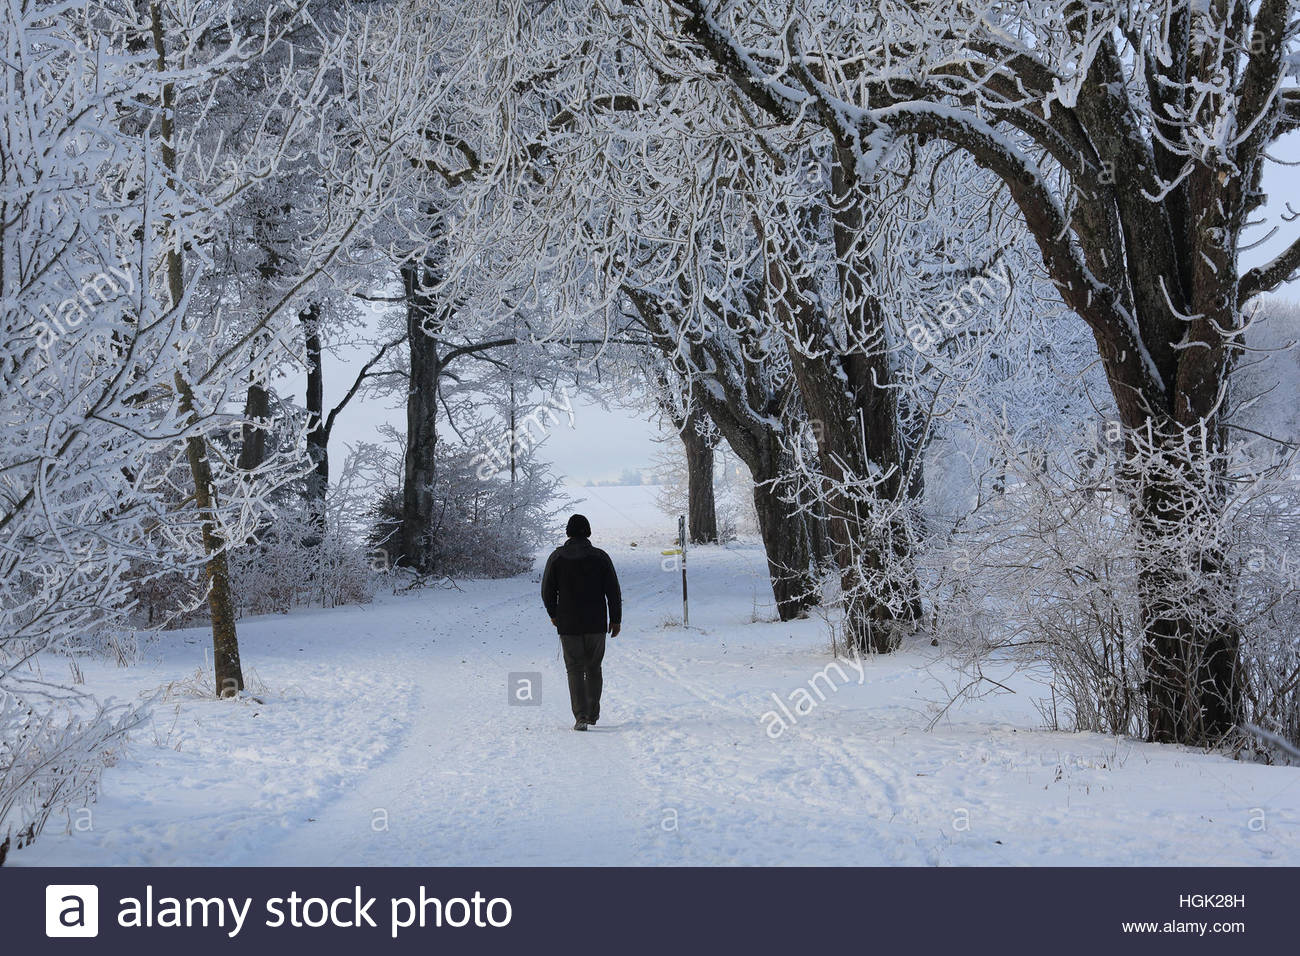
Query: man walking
[(578, 582)]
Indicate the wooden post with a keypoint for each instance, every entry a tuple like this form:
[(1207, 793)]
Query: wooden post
[(681, 543)]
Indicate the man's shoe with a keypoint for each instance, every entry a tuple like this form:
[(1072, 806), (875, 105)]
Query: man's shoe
[(580, 725), (591, 722)]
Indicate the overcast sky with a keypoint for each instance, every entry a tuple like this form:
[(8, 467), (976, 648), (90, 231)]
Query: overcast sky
[(599, 447)]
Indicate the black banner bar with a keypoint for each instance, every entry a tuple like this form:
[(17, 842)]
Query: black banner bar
[(624, 912)]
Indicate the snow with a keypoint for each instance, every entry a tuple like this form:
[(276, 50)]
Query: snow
[(384, 737)]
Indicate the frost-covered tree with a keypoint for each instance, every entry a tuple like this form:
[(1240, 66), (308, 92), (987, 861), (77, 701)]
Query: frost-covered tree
[(462, 316), (107, 379), (1132, 138)]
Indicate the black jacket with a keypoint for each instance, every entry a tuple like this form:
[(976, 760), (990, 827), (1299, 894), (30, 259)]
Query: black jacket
[(578, 581)]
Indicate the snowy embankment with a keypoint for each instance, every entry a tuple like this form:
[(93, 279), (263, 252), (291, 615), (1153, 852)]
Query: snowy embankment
[(386, 737)]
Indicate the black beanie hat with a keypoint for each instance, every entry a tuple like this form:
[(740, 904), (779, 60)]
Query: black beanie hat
[(578, 527)]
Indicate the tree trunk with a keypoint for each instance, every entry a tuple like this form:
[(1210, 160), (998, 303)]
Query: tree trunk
[(1191, 648), (318, 482), (786, 541), (854, 415), (421, 422), (820, 545), (702, 512), (1174, 476), (252, 448), (1190, 638), (229, 675), (257, 412), (747, 412)]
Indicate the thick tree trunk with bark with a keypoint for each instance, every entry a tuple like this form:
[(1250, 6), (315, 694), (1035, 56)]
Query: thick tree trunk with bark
[(1170, 406), (422, 318), (318, 481), (1183, 289), (786, 539), (1192, 644), (854, 412), (702, 511)]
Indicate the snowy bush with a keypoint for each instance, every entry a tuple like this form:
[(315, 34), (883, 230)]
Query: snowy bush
[(482, 526), (51, 760), (1047, 572), (1044, 573), (310, 556), (291, 564), (1266, 599)]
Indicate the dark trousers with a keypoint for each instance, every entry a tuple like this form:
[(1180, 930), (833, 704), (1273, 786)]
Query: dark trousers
[(582, 656)]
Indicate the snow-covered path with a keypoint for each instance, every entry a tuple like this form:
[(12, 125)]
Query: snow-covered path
[(386, 738)]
